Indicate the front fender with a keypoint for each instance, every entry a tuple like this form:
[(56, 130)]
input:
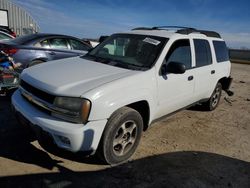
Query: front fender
[(122, 92), (103, 107)]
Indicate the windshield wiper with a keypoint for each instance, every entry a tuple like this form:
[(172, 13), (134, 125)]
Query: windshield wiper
[(122, 64), (96, 58)]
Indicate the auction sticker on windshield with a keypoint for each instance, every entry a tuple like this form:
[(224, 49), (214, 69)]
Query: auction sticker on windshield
[(151, 41)]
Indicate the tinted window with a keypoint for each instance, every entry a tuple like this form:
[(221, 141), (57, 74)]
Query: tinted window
[(58, 43), (202, 53), (45, 44), (221, 51), (180, 52), (77, 45)]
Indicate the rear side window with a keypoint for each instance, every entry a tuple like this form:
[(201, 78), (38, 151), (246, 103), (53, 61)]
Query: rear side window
[(180, 52), (77, 45), (45, 44), (221, 51), (202, 52), (58, 43)]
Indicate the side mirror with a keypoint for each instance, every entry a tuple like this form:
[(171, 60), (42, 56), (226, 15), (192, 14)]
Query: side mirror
[(173, 67)]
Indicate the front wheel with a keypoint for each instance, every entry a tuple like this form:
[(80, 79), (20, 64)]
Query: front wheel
[(214, 100), (121, 136)]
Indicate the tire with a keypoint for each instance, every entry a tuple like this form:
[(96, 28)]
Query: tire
[(121, 136), (35, 62), (214, 100)]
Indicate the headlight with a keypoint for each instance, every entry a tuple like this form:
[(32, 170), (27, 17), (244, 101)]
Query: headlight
[(72, 109)]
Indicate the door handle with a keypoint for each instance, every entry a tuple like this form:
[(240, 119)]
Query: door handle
[(51, 53), (212, 71), (190, 78)]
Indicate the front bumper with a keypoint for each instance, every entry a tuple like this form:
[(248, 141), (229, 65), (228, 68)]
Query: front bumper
[(70, 136)]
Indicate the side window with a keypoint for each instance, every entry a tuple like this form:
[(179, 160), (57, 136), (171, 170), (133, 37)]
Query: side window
[(221, 51), (77, 45), (180, 52), (202, 52), (44, 44), (58, 43)]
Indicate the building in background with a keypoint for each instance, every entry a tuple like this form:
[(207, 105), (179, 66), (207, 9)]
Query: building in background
[(17, 19)]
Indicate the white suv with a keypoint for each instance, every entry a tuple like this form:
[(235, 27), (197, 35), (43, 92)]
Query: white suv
[(104, 100)]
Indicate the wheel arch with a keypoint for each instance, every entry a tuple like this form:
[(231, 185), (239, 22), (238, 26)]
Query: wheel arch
[(224, 82), (143, 108), (37, 59)]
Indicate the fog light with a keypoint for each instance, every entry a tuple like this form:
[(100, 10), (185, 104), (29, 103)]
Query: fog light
[(64, 140)]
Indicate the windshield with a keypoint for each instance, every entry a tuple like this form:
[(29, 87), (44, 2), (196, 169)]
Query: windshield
[(129, 51)]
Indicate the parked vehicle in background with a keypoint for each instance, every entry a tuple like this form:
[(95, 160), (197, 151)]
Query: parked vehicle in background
[(92, 42), (5, 36), (95, 42), (8, 31), (120, 87), (37, 48)]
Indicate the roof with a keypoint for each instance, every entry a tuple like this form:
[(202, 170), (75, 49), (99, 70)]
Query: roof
[(31, 38), (40, 35), (169, 31)]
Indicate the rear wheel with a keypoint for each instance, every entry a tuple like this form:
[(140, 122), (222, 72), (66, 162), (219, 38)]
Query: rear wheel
[(121, 136), (214, 100)]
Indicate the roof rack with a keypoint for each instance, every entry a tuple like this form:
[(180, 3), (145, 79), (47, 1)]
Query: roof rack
[(182, 30), (142, 28), (171, 27), (204, 32)]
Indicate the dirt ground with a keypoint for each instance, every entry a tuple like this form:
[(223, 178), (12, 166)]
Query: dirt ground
[(189, 149)]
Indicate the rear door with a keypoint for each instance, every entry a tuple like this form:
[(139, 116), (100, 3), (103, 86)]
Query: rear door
[(205, 72), (58, 48)]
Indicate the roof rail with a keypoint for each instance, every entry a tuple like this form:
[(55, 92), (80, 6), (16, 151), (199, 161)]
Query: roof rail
[(142, 28), (171, 27), (161, 27), (204, 32), (182, 30)]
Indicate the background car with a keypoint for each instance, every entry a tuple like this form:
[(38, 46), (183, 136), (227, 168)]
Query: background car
[(7, 30), (92, 42), (38, 48), (95, 42), (5, 36)]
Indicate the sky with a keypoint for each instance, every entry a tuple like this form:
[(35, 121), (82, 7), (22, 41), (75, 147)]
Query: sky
[(92, 18)]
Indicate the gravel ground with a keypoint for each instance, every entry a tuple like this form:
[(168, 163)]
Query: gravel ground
[(189, 149)]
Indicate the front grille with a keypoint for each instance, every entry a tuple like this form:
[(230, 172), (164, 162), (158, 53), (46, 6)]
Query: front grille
[(38, 107), (36, 92)]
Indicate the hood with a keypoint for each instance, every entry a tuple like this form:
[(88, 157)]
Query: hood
[(72, 76)]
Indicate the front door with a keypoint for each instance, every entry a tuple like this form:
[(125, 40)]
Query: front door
[(176, 90)]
